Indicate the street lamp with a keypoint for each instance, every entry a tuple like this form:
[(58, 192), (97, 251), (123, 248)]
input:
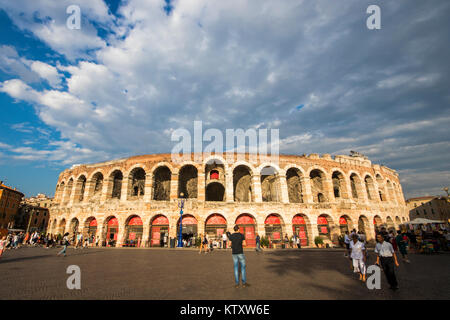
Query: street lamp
[(181, 206)]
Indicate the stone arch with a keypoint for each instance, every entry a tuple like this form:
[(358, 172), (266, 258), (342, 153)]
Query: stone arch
[(80, 188), (317, 178), (133, 231), (242, 184), (215, 226), (381, 187), (327, 228), (215, 191), (248, 226), (398, 222), (188, 181), (390, 191), (73, 228), (159, 227), (111, 230), (339, 184), (390, 224), (274, 228), (245, 164), (62, 226), (216, 166), (270, 184), (162, 164), (96, 181), (161, 183), (136, 182), (68, 190), (355, 183), (345, 224), (115, 180), (370, 187), (295, 185), (301, 227), (61, 190), (189, 227), (212, 158), (90, 227)]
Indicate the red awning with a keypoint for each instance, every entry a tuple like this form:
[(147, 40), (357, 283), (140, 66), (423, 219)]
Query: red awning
[(298, 220), (189, 220), (160, 220), (113, 222), (93, 223), (322, 220), (216, 219), (136, 221), (272, 219), (245, 219), (342, 220)]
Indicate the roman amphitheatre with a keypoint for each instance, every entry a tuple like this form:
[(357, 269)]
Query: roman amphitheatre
[(135, 201)]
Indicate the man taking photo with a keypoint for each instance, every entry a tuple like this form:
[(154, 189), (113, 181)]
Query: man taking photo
[(237, 241)]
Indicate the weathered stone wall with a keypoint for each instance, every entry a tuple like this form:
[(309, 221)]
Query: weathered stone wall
[(244, 189)]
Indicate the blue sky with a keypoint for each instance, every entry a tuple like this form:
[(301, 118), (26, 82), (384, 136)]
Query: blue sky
[(137, 70)]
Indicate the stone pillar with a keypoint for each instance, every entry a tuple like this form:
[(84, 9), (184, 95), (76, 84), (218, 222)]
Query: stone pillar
[(229, 190), (124, 189), (88, 190), (106, 189), (283, 189), (361, 190), (148, 187), (201, 185), (328, 189), (257, 193), (307, 193), (174, 186), (200, 226), (314, 231), (145, 234), (72, 194), (173, 219)]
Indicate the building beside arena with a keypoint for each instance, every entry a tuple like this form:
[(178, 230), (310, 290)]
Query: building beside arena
[(135, 201)]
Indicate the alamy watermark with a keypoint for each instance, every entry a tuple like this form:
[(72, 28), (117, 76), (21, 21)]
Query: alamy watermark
[(260, 144), (74, 280)]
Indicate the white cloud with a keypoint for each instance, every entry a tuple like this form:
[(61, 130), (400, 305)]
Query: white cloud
[(47, 72)]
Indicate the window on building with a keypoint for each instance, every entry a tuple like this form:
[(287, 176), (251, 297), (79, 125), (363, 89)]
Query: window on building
[(432, 211)]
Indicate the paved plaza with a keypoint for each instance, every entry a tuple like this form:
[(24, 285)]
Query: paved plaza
[(113, 273)]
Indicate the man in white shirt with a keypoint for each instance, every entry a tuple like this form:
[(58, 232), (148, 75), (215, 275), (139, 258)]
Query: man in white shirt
[(357, 253), (386, 255), (224, 240)]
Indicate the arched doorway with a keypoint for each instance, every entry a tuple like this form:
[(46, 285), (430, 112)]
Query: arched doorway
[(215, 191), (133, 232), (73, 228), (299, 228), (390, 224), (377, 223), (343, 224), (273, 228), (90, 227), (112, 230), (215, 226), (188, 228), (62, 227), (158, 229), (247, 226), (324, 226)]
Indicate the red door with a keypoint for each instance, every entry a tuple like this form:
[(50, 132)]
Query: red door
[(249, 233)]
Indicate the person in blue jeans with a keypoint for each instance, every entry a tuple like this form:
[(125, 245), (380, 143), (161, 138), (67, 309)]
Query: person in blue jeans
[(65, 243), (237, 242)]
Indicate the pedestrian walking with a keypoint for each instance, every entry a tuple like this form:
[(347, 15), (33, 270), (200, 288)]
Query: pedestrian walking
[(224, 240), (258, 243), (357, 253), (347, 243), (237, 251), (299, 243), (65, 243), (402, 244), (386, 255)]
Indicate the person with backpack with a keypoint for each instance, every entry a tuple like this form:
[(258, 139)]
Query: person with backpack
[(65, 243)]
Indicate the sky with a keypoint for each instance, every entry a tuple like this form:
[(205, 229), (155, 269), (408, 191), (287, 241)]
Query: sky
[(137, 70)]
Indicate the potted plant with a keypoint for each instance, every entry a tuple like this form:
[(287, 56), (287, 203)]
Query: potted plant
[(318, 241)]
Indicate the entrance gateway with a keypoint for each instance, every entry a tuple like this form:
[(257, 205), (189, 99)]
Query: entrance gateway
[(159, 228), (247, 226)]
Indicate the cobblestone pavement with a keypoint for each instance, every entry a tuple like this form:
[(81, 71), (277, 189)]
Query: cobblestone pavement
[(37, 273)]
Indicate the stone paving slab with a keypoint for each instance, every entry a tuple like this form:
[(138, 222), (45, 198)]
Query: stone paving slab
[(124, 273)]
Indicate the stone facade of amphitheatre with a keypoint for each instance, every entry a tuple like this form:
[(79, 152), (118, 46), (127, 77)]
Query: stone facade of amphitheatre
[(366, 195)]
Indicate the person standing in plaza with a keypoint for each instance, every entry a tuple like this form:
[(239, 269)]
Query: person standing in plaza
[(386, 255), (402, 243), (358, 256), (237, 251), (224, 240), (347, 243), (258, 243), (65, 243)]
